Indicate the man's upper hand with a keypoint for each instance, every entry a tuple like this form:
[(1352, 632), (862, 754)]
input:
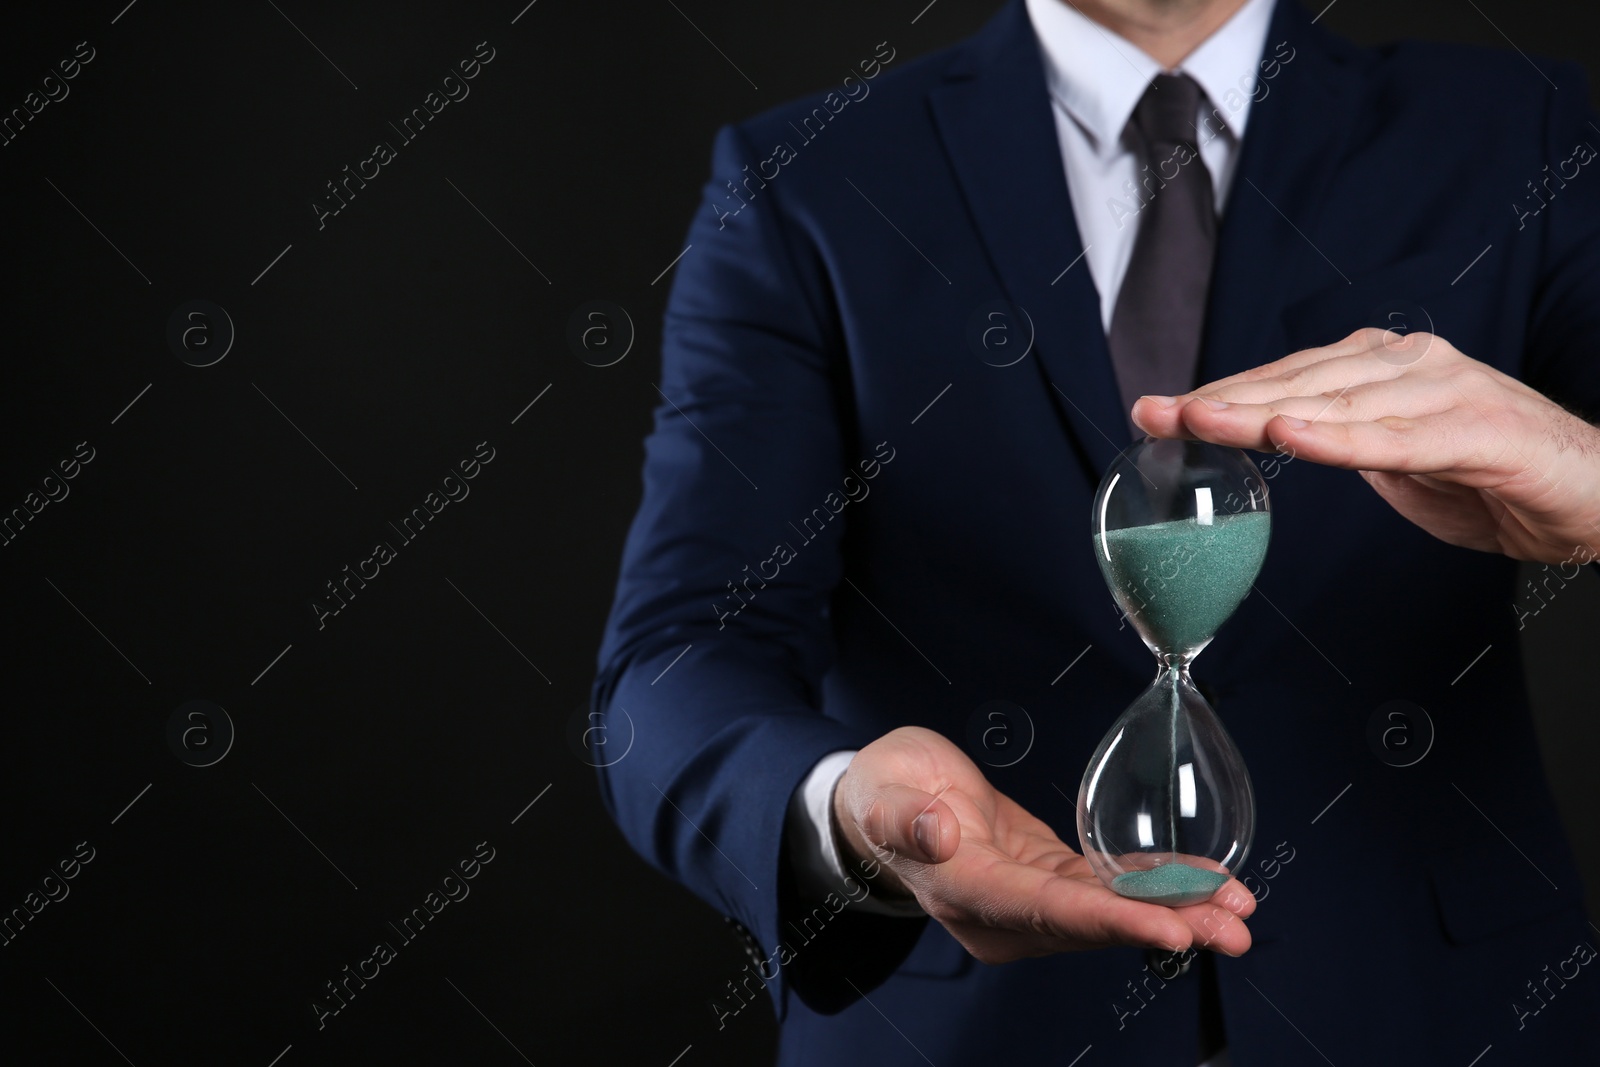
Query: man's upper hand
[(997, 878), (1469, 454)]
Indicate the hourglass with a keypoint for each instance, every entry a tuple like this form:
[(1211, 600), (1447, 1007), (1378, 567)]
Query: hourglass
[(1165, 810)]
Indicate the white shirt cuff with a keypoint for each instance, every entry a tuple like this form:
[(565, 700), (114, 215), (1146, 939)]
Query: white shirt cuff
[(814, 848)]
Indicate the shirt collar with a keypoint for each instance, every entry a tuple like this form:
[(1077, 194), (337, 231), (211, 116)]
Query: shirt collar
[(1099, 77)]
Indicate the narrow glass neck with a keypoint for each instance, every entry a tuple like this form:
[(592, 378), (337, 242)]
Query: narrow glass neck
[(1174, 670), (1181, 659), (1176, 659)]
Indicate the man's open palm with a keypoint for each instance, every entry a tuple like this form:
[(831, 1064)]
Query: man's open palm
[(996, 877)]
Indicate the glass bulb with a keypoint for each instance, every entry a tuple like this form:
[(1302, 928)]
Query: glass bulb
[(1166, 811)]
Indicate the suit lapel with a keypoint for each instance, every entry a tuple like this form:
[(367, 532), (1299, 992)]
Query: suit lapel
[(994, 115), (1295, 136)]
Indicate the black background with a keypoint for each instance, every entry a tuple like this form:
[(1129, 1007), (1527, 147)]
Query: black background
[(370, 358)]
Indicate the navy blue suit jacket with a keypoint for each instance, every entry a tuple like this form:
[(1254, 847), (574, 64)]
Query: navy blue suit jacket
[(854, 518)]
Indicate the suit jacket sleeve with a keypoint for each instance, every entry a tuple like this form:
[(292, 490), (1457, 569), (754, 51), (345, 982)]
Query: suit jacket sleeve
[(1563, 354), (719, 633)]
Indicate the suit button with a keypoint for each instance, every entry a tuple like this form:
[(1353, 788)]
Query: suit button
[(747, 941), (1169, 965)]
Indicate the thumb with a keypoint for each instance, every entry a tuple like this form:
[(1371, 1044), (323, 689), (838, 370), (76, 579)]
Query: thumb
[(908, 822)]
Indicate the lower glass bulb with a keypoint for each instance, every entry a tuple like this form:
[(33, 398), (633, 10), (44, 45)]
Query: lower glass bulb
[(1165, 811)]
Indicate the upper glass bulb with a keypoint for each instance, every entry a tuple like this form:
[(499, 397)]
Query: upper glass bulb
[(1180, 531)]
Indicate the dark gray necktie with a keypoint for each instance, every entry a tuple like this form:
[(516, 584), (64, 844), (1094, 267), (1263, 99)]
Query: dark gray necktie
[(1160, 309)]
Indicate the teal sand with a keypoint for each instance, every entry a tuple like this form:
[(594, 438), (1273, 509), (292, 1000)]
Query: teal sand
[(1172, 884), (1180, 580)]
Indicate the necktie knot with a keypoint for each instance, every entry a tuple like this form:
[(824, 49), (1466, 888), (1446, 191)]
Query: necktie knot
[(1166, 113)]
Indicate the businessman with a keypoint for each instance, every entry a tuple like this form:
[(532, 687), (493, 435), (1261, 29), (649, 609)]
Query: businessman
[(896, 363)]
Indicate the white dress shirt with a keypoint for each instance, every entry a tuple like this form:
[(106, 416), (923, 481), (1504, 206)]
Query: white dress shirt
[(1095, 79)]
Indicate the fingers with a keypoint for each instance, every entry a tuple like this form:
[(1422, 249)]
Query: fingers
[(1209, 926), (1369, 356), (1448, 443), (894, 800), (1101, 917), (1217, 928), (1410, 398), (1358, 343), (1454, 513), (1236, 898), (1403, 426), (1017, 910), (1216, 924), (1159, 416), (909, 822), (1219, 922), (1325, 376), (1009, 911)]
